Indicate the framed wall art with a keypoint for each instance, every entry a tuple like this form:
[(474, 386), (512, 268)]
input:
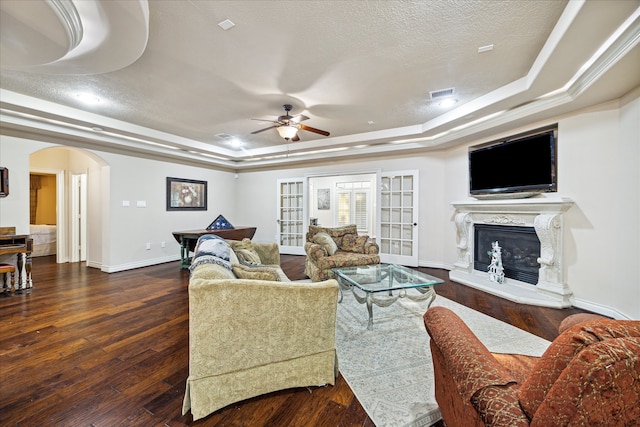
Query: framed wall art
[(324, 198), (4, 182), (186, 194)]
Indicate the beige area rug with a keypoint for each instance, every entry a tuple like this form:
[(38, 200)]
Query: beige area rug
[(389, 368)]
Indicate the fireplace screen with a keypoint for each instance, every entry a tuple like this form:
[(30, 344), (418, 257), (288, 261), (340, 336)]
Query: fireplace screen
[(520, 250)]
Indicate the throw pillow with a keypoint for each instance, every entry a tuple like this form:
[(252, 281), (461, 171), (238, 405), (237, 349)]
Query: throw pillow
[(245, 256), (245, 252), (213, 245), (256, 273), (349, 242), (324, 240), (233, 258)]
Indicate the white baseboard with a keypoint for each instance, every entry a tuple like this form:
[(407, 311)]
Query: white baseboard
[(139, 264), (94, 264), (433, 264), (600, 309)]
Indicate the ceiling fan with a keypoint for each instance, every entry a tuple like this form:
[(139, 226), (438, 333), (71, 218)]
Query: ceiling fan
[(288, 126)]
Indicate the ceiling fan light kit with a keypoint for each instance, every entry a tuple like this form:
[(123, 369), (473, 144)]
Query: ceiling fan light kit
[(287, 132)]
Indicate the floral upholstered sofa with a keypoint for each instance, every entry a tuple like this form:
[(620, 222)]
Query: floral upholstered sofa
[(588, 376), (329, 248), (251, 330)]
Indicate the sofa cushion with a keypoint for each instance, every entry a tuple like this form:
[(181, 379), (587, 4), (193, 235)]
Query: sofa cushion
[(346, 259), (336, 233), (354, 243), (212, 272), (261, 272), (324, 240)]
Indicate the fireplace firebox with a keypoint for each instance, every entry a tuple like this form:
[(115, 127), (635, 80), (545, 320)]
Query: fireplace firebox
[(520, 250)]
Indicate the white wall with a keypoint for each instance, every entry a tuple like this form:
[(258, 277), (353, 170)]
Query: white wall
[(118, 235)]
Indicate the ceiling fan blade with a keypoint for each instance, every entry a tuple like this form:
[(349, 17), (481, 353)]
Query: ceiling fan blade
[(299, 118), (267, 120), (314, 130), (262, 130)]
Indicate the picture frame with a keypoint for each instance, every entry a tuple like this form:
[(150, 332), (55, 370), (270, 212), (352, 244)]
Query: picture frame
[(186, 194), (324, 198), (4, 182)]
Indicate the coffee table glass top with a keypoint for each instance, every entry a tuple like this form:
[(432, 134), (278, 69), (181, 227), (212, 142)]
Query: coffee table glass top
[(385, 277)]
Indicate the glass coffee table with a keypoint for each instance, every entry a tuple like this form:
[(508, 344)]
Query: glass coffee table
[(390, 280)]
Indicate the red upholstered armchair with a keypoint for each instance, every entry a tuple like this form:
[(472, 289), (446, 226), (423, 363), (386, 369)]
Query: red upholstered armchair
[(589, 375)]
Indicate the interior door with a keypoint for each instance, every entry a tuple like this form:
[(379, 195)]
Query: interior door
[(291, 232), (78, 217), (398, 225)]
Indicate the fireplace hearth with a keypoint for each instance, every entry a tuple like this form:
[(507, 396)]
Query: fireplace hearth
[(530, 233)]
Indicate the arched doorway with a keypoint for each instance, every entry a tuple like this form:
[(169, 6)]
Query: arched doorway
[(78, 216)]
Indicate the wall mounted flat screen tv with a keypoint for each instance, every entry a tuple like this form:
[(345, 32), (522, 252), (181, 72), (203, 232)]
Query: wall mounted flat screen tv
[(521, 166)]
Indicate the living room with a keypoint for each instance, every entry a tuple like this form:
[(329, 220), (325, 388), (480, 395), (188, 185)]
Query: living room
[(597, 226), (172, 88)]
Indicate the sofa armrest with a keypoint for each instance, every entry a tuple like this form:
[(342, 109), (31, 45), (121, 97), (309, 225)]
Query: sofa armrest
[(574, 319), (471, 364), (371, 247), (314, 251)]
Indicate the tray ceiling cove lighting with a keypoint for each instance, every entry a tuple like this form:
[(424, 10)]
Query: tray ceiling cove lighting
[(287, 132)]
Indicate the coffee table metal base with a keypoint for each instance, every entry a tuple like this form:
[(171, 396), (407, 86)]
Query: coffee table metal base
[(370, 298)]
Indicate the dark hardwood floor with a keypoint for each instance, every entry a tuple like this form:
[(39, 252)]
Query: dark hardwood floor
[(87, 348)]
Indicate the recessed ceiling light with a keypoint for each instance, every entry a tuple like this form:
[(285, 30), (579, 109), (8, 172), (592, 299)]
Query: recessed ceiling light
[(448, 102), (370, 122), (88, 98), (226, 24)]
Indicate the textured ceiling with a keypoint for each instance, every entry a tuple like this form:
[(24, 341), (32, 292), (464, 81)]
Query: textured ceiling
[(362, 70)]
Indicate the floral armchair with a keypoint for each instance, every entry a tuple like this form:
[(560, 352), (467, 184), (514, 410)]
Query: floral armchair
[(589, 375), (329, 248)]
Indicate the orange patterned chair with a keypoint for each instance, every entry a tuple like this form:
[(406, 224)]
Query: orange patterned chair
[(589, 375)]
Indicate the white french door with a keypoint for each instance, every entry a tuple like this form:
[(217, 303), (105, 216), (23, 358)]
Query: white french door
[(291, 233), (398, 213)]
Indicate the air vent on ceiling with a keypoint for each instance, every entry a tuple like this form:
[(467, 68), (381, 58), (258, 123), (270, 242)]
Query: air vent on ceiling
[(443, 93)]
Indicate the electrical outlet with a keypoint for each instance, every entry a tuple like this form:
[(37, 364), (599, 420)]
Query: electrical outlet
[(148, 246), (162, 244)]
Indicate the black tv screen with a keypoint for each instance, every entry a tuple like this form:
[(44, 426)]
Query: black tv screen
[(520, 165)]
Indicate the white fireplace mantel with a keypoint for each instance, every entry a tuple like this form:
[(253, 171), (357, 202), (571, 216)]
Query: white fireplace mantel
[(545, 214)]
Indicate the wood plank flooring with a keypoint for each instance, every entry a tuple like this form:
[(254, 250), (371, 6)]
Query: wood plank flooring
[(87, 348)]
